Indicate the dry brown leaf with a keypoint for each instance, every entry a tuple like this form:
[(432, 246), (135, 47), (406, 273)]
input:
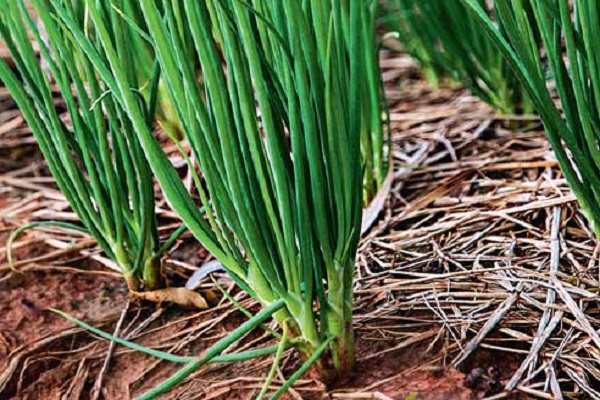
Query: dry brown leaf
[(180, 296)]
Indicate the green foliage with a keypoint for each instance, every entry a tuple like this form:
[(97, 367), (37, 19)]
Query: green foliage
[(275, 129), (448, 43), (94, 156), (572, 128)]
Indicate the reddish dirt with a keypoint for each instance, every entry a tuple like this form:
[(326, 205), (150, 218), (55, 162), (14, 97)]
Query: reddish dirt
[(68, 365), (27, 322), (26, 298), (52, 370), (426, 383)]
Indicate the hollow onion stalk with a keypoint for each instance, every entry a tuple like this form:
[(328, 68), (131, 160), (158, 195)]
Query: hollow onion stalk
[(573, 126), (375, 155)]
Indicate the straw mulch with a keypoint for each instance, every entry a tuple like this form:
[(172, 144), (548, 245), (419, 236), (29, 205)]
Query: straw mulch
[(480, 261), (483, 248)]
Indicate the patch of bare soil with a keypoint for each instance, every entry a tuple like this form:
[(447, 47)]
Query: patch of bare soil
[(32, 338), (27, 297), (411, 372)]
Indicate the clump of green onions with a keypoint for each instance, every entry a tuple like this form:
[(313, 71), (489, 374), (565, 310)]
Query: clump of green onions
[(94, 154), (572, 127), (448, 44), (275, 131)]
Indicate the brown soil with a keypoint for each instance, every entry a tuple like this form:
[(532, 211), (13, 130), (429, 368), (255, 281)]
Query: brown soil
[(408, 377), (53, 359), (56, 359), (33, 335)]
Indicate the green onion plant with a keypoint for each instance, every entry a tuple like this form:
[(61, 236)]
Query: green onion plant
[(275, 133), (449, 44), (569, 57), (93, 154)]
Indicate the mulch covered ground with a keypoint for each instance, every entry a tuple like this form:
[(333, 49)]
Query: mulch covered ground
[(479, 279)]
